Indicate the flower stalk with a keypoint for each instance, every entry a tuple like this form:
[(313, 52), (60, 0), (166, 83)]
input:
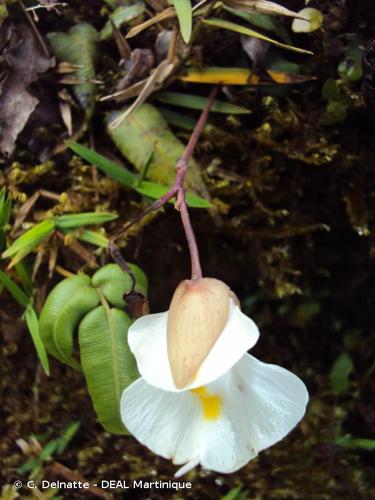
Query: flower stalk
[(178, 192)]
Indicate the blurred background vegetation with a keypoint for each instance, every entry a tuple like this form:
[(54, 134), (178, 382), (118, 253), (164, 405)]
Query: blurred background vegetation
[(282, 193)]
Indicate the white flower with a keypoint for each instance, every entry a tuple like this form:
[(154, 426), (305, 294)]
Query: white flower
[(230, 409)]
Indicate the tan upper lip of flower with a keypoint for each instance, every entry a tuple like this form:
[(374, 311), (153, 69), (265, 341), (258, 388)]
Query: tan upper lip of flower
[(197, 316)]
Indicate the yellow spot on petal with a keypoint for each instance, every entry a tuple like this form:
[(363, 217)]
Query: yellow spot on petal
[(211, 403)]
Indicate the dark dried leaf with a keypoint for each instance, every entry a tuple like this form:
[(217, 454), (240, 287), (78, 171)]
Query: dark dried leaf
[(25, 62)]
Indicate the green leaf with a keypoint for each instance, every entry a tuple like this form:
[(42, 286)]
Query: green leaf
[(120, 174), (107, 362), (25, 277), (3, 13), (33, 326), (236, 493), (155, 191), (177, 119), (94, 238), (146, 132), (263, 22), (67, 436), (5, 207), (122, 15), (113, 283), (336, 112), (349, 442), (243, 30), (314, 22), (71, 313), (53, 308), (196, 102), (79, 47), (29, 240), (125, 177), (340, 372), (331, 90), (14, 290), (72, 221), (185, 17)]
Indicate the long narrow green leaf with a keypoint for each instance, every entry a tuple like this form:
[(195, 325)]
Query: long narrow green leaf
[(181, 120), (156, 191), (33, 326), (25, 277), (350, 442), (16, 292), (107, 362), (72, 221), (5, 211), (5, 207), (123, 176), (31, 239), (120, 174), (67, 436), (93, 237), (243, 30), (196, 102), (185, 18)]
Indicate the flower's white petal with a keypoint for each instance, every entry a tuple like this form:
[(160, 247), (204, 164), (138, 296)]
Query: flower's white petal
[(252, 407), (173, 426), (239, 335), (147, 339), (148, 342), (168, 423), (271, 399), (223, 447)]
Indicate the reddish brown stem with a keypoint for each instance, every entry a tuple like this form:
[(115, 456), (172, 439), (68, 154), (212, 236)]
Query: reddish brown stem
[(177, 191)]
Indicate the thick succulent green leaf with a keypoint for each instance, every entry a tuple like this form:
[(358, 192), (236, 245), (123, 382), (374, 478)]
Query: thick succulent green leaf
[(79, 47), (113, 282), (53, 306), (185, 17), (67, 320), (107, 362), (144, 135), (33, 326)]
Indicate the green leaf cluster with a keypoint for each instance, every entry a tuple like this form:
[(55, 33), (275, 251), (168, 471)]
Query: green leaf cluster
[(91, 311), (39, 233)]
